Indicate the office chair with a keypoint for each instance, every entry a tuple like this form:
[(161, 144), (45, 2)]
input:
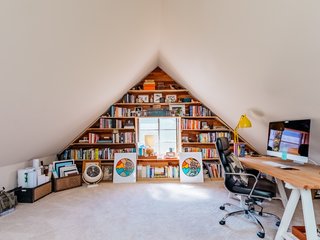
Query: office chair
[(245, 183)]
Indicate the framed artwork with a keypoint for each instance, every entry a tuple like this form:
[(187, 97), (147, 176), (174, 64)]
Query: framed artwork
[(143, 98), (156, 97), (125, 167), (191, 167), (59, 164), (171, 98), (107, 171), (67, 169), (178, 109)]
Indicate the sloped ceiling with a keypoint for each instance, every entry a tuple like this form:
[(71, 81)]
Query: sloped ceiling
[(62, 63), (255, 57)]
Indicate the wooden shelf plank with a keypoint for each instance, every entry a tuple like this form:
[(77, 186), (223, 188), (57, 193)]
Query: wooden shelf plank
[(158, 160), (197, 143), (117, 117), (102, 160), (110, 129), (159, 91), (200, 117), (100, 144), (205, 130), (158, 179), (161, 104)]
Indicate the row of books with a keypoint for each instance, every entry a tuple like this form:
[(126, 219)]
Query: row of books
[(207, 137), (120, 112), (123, 137), (192, 124), (93, 153), (126, 137), (110, 123), (206, 152), (157, 172), (195, 111), (129, 98), (214, 169)]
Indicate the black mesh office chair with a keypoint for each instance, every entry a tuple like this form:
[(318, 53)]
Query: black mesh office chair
[(247, 183)]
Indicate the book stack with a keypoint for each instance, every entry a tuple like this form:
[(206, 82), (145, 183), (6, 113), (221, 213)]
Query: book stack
[(190, 124), (127, 137), (195, 111), (206, 152), (93, 138), (207, 137), (128, 98), (149, 84), (214, 169), (110, 123), (93, 153), (157, 172)]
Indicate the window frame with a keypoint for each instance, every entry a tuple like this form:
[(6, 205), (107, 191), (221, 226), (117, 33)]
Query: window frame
[(178, 133)]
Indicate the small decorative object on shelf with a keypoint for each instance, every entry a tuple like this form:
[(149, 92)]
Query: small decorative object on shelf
[(171, 98), (156, 97)]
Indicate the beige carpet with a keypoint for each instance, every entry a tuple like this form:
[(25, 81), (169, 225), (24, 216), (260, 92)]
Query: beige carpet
[(135, 211)]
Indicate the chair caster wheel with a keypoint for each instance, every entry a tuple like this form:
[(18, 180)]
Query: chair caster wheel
[(278, 223), (260, 234), (222, 208), (222, 222)]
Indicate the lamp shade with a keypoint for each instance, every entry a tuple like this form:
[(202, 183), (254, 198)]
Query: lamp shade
[(244, 122), (149, 140)]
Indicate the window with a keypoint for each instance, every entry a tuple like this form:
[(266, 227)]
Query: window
[(164, 131)]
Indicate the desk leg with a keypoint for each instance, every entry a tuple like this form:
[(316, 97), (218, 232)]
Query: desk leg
[(308, 214), (282, 192), (288, 213)]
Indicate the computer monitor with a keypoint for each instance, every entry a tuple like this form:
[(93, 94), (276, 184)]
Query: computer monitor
[(289, 140)]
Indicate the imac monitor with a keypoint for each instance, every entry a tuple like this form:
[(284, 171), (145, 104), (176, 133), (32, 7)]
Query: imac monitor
[(289, 139)]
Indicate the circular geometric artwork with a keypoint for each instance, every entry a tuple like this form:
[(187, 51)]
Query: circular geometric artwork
[(125, 167), (191, 167)]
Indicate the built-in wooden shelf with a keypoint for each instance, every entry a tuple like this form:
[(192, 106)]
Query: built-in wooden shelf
[(161, 104), (102, 160), (159, 160), (157, 179), (101, 144), (109, 129), (200, 117), (118, 117), (198, 143), (205, 130), (159, 91), (210, 159)]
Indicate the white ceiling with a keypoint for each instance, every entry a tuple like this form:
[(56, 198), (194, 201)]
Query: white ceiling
[(62, 63)]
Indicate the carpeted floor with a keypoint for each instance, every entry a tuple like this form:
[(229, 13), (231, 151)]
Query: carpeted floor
[(136, 211)]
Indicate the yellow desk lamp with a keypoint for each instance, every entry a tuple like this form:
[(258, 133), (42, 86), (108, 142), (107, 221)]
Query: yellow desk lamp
[(244, 122)]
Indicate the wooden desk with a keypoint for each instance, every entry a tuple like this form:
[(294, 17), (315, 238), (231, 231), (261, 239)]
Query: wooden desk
[(301, 181)]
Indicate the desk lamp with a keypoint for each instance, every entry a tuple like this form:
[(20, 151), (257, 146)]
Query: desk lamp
[(149, 142), (244, 122)]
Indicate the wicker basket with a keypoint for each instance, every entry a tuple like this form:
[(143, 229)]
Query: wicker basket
[(68, 182)]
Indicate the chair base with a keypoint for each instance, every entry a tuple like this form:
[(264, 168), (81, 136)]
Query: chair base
[(251, 213)]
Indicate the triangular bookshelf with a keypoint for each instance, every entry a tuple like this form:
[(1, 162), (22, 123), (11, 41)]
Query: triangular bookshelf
[(156, 96)]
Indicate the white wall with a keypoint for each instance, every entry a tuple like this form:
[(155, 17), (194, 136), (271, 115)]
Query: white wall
[(8, 173), (62, 63), (256, 57)]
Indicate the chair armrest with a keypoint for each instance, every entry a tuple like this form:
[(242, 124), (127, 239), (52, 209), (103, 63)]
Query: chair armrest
[(248, 175)]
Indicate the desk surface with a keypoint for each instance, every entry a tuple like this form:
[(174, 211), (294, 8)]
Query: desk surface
[(307, 176)]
